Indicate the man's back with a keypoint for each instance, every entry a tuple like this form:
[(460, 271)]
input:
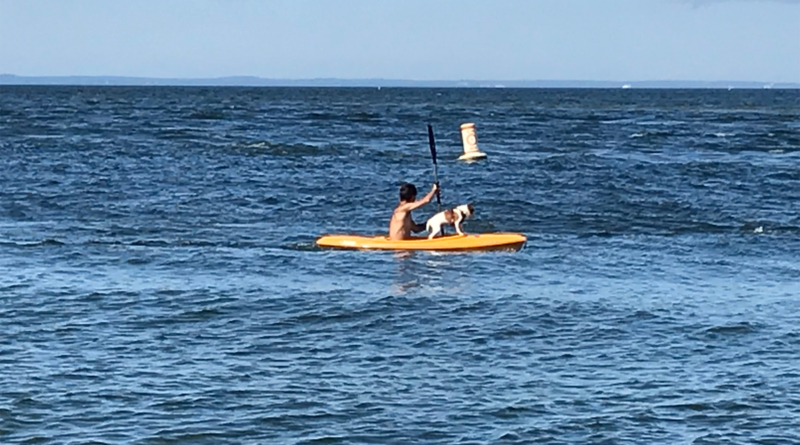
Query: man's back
[(401, 224)]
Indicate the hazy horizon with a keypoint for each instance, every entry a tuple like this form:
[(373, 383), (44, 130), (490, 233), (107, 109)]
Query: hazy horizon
[(11, 79)]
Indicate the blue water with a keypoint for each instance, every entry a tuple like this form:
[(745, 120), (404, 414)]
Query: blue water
[(159, 282)]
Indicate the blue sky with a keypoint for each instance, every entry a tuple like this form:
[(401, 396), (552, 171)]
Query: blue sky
[(707, 40)]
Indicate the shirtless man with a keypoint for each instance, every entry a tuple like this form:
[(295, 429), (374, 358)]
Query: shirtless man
[(401, 224)]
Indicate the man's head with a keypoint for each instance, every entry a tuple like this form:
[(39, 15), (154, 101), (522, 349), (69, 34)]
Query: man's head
[(408, 193)]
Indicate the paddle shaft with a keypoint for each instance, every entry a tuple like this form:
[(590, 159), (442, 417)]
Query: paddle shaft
[(435, 167)]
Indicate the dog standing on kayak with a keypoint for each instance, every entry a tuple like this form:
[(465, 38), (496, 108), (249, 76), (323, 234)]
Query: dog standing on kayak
[(453, 217), (401, 225)]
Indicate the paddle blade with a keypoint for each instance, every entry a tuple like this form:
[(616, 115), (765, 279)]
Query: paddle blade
[(432, 144)]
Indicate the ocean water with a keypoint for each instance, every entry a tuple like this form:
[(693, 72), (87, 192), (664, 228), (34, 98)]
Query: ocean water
[(159, 282)]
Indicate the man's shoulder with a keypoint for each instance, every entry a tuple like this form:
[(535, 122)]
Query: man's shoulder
[(402, 207)]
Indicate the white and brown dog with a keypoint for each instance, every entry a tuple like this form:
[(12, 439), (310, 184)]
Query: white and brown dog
[(453, 217)]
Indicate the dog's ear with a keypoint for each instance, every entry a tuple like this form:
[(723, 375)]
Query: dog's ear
[(471, 208)]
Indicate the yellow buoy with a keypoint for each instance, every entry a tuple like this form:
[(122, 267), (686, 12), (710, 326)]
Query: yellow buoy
[(470, 141)]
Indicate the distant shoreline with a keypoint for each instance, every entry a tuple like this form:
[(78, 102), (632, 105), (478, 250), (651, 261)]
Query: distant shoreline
[(245, 81)]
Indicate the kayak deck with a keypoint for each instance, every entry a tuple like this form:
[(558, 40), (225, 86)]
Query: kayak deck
[(452, 243)]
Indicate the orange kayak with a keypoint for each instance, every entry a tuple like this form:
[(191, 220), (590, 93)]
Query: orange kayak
[(485, 241)]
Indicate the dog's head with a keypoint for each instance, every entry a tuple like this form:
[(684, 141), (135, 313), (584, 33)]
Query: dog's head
[(465, 210)]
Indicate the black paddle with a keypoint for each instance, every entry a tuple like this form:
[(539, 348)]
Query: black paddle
[(435, 168)]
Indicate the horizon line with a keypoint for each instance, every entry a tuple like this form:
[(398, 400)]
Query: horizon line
[(246, 80)]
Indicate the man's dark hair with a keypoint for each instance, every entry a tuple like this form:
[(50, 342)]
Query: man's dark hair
[(408, 192)]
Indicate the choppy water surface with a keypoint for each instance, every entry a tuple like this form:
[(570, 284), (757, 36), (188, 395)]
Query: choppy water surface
[(159, 282)]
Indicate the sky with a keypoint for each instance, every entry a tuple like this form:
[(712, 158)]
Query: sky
[(602, 40)]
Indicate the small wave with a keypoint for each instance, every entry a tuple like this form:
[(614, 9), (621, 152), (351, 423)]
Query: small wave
[(618, 121), (324, 440), (732, 329), (14, 287), (600, 234), (179, 243), (364, 117), (768, 228), (752, 227), (331, 316), (288, 150), (207, 115), (269, 200), (643, 315), (42, 243), (651, 134), (702, 227), (514, 331), (517, 411), (689, 406), (150, 243), (199, 315), (724, 405), (187, 316), (321, 116), (308, 246), (138, 261), (176, 133)]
